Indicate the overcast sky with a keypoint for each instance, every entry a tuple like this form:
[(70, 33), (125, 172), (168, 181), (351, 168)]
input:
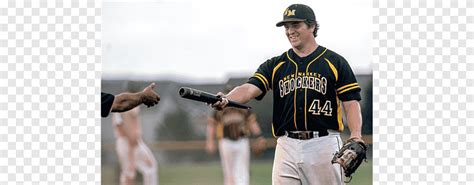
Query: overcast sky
[(210, 40)]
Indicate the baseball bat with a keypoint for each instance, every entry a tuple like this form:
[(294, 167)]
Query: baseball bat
[(197, 95)]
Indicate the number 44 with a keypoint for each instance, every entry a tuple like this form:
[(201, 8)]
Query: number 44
[(316, 108)]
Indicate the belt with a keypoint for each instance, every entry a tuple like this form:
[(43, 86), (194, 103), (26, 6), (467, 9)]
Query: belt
[(304, 135), (241, 135)]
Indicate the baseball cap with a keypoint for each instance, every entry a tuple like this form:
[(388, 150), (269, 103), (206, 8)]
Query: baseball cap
[(297, 12)]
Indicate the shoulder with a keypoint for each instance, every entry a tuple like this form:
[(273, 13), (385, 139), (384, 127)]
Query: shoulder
[(217, 115), (335, 58), (274, 60), (330, 54)]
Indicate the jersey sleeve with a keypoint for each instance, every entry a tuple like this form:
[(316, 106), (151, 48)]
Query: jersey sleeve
[(106, 103), (346, 85), (262, 78)]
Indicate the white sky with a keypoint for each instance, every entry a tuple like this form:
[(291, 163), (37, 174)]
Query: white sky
[(210, 40)]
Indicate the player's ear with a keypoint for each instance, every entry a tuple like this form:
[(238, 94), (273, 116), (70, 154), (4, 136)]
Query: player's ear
[(312, 27)]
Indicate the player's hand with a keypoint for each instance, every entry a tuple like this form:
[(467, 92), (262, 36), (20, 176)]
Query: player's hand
[(210, 147), (149, 96), (356, 139), (219, 105), (259, 145)]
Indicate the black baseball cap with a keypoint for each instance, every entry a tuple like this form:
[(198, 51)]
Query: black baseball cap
[(297, 12)]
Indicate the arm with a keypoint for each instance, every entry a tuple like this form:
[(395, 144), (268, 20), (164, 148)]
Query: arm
[(211, 133), (126, 101), (354, 118), (240, 94), (253, 125), (244, 93), (259, 144)]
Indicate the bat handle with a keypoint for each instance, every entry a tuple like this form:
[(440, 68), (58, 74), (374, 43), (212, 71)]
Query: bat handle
[(238, 105), (234, 104)]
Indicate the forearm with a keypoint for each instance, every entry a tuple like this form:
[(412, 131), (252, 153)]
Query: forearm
[(253, 126), (211, 130), (255, 130), (243, 93), (354, 118), (126, 101), (210, 134)]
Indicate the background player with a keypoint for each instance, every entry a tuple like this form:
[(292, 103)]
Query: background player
[(309, 82), (233, 127), (132, 152)]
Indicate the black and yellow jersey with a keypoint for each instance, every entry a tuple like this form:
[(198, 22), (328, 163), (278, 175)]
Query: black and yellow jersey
[(307, 91)]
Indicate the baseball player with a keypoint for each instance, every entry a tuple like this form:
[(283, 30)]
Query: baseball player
[(232, 127), (132, 152), (311, 85)]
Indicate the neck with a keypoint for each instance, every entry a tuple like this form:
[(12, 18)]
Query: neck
[(307, 49)]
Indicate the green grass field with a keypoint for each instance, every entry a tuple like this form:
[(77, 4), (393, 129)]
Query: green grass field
[(211, 174)]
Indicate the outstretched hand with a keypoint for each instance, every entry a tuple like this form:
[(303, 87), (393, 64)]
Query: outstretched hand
[(149, 97)]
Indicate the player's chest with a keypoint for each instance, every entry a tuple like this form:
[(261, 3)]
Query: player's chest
[(315, 71), (233, 118)]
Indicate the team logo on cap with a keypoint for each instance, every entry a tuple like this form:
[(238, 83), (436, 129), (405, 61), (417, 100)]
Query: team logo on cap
[(289, 12)]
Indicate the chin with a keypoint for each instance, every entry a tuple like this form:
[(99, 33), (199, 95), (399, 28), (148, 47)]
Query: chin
[(295, 44)]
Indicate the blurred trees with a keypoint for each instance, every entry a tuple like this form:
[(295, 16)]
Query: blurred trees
[(176, 127)]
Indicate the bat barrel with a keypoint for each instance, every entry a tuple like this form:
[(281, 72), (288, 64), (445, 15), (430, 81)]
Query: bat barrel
[(183, 91)]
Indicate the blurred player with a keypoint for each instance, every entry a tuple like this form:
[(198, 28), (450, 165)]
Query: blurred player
[(132, 152), (233, 127)]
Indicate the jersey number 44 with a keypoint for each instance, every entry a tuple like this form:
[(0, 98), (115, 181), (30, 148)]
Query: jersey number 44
[(318, 108)]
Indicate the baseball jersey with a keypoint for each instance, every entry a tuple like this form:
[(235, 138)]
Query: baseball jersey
[(232, 123), (307, 91)]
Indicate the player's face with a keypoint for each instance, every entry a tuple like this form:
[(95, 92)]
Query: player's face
[(298, 33)]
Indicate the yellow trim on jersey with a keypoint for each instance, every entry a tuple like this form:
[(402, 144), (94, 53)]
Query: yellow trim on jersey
[(307, 67), (306, 90), (294, 93), (275, 69), (263, 82), (334, 70), (339, 115), (266, 81), (219, 130), (273, 131), (349, 89), (348, 85)]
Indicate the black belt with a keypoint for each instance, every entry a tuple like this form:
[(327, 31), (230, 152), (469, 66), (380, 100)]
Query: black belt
[(241, 135), (304, 135)]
